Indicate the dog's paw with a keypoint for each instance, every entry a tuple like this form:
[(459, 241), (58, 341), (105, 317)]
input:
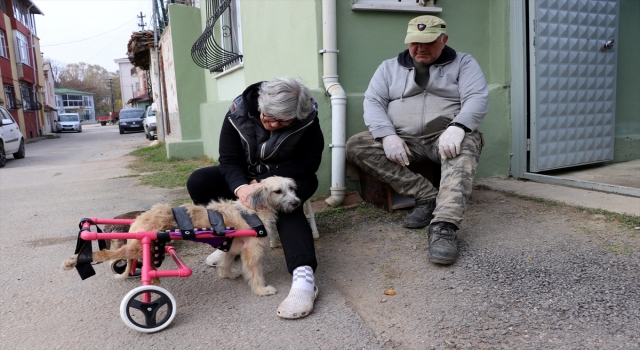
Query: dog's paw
[(69, 264), (268, 290), (155, 281)]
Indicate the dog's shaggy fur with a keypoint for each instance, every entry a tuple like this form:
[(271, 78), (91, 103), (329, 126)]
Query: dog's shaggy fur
[(274, 194), (117, 243)]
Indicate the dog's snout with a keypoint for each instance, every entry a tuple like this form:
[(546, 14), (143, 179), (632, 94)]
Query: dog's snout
[(295, 202)]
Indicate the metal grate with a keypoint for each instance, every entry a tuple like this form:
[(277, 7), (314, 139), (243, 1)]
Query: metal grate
[(206, 52)]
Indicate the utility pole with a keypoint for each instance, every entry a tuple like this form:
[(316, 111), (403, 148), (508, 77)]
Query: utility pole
[(111, 88), (141, 24)]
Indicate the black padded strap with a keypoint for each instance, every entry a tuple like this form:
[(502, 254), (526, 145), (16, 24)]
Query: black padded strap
[(163, 236), (102, 244), (217, 222), (254, 221), (184, 223), (158, 252), (85, 251)]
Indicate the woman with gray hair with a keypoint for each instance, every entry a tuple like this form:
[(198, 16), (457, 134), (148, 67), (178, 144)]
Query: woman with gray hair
[(271, 129)]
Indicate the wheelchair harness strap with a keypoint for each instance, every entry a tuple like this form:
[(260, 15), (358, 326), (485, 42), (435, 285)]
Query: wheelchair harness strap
[(184, 223), (217, 223), (85, 251), (254, 221)]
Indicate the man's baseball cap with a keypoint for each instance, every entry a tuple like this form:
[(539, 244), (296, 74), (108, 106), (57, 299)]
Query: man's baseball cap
[(425, 29)]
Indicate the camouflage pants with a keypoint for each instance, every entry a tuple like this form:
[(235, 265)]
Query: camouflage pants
[(455, 182)]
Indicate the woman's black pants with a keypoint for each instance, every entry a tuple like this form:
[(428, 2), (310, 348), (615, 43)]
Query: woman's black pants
[(207, 184)]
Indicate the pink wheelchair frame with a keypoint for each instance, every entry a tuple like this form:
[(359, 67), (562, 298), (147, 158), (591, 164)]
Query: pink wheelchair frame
[(154, 299)]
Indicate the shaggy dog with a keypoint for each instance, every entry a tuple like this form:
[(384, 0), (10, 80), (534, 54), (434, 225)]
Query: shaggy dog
[(274, 194), (117, 243)]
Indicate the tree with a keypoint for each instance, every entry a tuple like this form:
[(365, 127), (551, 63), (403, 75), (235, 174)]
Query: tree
[(57, 68), (95, 79)]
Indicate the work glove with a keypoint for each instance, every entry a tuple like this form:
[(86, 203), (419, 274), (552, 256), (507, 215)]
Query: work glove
[(450, 142), (396, 150)]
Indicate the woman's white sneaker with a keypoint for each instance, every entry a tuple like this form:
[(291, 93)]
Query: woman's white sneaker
[(215, 258), (298, 304)]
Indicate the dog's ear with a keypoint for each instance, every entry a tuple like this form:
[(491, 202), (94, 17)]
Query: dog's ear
[(259, 197)]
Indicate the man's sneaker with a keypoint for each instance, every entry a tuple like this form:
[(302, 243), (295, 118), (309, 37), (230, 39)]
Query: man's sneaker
[(443, 243), (421, 214)]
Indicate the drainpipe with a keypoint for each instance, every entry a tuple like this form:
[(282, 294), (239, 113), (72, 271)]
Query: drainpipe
[(338, 102), (160, 112)]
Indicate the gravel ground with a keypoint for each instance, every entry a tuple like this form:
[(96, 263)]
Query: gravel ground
[(530, 276)]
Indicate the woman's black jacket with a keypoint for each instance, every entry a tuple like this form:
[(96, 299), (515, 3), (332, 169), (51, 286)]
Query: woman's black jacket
[(249, 151)]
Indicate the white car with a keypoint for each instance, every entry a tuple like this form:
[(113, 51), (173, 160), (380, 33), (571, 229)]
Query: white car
[(11, 139), (149, 122), (68, 122)]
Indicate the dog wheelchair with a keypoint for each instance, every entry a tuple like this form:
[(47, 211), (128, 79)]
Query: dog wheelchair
[(150, 308)]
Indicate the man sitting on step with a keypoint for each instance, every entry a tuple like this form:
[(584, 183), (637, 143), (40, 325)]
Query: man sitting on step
[(426, 104)]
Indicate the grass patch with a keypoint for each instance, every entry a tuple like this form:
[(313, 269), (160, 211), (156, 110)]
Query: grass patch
[(616, 242), (343, 220), (179, 201), (156, 170), (630, 221), (545, 202)]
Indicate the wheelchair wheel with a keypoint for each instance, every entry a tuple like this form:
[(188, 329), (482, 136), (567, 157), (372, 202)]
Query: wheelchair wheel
[(148, 316), (119, 265)]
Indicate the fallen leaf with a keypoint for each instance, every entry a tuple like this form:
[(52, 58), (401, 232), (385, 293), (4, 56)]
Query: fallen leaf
[(390, 292)]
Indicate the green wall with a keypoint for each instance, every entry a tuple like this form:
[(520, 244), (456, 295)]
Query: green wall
[(282, 38), (190, 84), (271, 49), (288, 43)]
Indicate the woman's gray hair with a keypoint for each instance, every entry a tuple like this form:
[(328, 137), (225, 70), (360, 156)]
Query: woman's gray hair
[(285, 98)]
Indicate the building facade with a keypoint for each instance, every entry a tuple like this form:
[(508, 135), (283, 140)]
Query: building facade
[(128, 79), (50, 111), (499, 34), (75, 101), (21, 66), (133, 85)]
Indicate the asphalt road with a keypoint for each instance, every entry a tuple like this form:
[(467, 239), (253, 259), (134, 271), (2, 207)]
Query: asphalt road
[(42, 199), (529, 275)]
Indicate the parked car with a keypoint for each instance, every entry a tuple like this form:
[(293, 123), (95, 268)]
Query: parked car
[(11, 139), (131, 119), (149, 122), (69, 122)]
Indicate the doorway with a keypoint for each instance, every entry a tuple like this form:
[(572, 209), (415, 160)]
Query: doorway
[(564, 94)]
